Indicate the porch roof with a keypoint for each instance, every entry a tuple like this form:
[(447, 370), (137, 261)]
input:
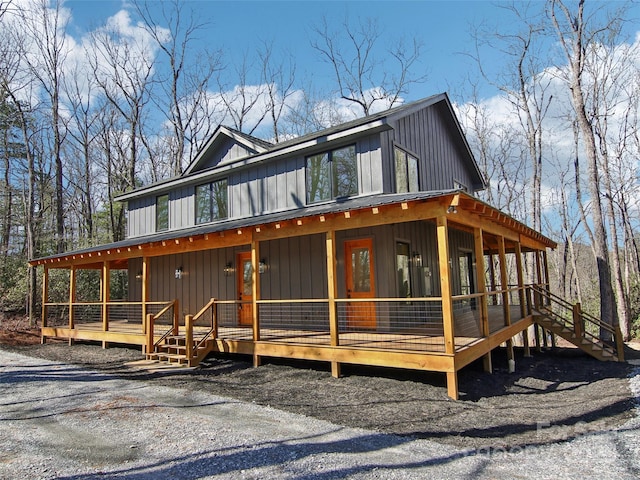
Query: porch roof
[(119, 251)]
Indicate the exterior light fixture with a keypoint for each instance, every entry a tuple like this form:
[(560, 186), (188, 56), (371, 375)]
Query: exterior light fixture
[(417, 259), (139, 275), (179, 273), (452, 209), (228, 269), (262, 266)]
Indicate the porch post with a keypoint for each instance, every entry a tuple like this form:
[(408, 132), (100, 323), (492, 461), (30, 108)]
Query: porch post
[(45, 299), (504, 281), (521, 296), (447, 301), (545, 342), (145, 292), (331, 296), (106, 281), (484, 306), (255, 260), (545, 262), (72, 298)]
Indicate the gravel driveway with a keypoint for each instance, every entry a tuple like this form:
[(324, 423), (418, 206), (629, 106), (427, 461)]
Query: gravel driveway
[(62, 421)]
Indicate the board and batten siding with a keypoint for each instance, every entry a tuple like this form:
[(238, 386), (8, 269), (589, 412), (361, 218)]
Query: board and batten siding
[(430, 135), (263, 188)]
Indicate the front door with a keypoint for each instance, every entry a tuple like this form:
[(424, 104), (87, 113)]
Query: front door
[(244, 276), (359, 282)]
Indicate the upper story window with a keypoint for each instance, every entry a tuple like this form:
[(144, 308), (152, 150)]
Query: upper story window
[(332, 174), (162, 213), (406, 171), (211, 201)]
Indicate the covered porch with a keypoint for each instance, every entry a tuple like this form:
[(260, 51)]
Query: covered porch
[(476, 302)]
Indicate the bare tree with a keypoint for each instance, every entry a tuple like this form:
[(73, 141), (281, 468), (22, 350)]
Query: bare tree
[(362, 77), (576, 36), (189, 74), (45, 53)]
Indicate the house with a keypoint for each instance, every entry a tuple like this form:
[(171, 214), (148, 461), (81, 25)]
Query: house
[(362, 243)]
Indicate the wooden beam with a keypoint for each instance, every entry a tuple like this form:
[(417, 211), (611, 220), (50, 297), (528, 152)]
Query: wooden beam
[(445, 284), (72, 294), (45, 297)]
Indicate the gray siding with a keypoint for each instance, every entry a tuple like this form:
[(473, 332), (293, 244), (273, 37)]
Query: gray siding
[(262, 188), (429, 134), (229, 150)]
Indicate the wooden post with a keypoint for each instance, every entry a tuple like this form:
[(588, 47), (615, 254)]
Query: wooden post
[(504, 281), (332, 289), (522, 297), (452, 385), (480, 280), (176, 317), (45, 300), (445, 285), (72, 299), (105, 283), (188, 337), (145, 291), (577, 320), (536, 329), (214, 319), (255, 274), (150, 321)]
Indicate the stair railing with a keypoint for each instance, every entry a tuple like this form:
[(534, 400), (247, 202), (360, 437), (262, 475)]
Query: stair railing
[(189, 323), (581, 323), (152, 344)]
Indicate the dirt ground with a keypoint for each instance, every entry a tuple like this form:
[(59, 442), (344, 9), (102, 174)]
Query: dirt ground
[(555, 395)]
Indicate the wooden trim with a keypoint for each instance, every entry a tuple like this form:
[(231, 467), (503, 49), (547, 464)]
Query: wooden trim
[(445, 284), (482, 287)]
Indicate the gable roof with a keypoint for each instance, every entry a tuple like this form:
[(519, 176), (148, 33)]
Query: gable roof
[(264, 150), (221, 133)]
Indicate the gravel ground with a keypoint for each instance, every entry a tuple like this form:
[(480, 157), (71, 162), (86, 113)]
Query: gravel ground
[(63, 421)]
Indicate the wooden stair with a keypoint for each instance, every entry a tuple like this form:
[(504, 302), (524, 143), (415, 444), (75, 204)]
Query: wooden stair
[(595, 348), (173, 350)]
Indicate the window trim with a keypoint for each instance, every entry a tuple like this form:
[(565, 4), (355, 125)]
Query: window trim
[(332, 174)]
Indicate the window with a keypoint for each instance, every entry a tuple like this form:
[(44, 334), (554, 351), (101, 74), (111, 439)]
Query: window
[(211, 201), (162, 213), (402, 269), (406, 171), (332, 175)]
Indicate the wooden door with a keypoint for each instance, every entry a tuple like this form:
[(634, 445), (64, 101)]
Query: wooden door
[(244, 277), (360, 283)]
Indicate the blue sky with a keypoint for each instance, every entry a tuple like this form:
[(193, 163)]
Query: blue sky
[(238, 26)]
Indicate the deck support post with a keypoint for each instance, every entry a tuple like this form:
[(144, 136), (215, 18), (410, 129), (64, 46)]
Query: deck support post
[(330, 242), (45, 299), (484, 306), (452, 385), (522, 298), (536, 329), (255, 274)]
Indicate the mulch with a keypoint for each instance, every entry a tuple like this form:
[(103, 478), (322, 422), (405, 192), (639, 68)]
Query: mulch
[(553, 396)]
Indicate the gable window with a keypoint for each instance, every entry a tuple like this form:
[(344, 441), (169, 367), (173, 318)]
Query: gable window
[(162, 213), (406, 171), (211, 201), (332, 174)]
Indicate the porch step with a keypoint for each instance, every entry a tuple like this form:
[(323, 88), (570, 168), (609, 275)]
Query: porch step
[(174, 351)]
